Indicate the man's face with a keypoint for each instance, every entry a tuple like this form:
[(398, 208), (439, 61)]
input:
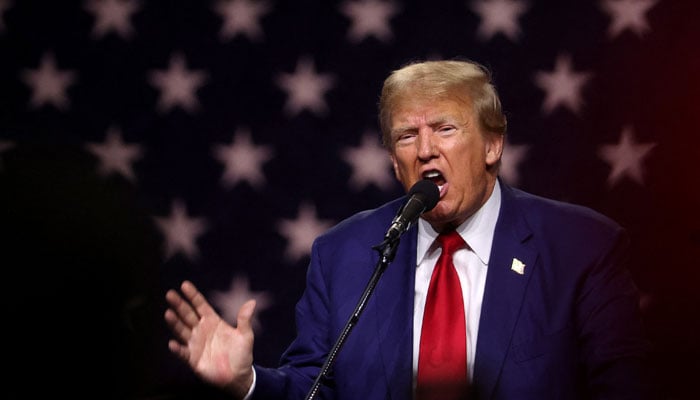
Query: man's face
[(441, 140)]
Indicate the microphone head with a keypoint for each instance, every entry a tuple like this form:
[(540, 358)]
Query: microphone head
[(427, 191)]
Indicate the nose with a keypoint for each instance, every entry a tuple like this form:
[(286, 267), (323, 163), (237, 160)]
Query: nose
[(427, 147)]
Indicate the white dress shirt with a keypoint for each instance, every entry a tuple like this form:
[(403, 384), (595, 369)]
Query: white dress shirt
[(471, 264)]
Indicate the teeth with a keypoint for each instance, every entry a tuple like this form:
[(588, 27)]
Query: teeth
[(431, 174)]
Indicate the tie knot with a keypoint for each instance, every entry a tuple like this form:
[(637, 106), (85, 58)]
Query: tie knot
[(450, 242)]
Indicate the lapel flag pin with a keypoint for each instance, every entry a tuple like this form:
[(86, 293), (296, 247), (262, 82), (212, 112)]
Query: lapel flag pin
[(518, 266)]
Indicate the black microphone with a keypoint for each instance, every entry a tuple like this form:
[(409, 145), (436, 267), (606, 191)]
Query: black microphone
[(422, 197)]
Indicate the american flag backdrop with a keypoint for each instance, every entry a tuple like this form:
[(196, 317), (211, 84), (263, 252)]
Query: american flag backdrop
[(147, 142)]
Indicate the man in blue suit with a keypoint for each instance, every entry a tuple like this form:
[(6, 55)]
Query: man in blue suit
[(550, 311)]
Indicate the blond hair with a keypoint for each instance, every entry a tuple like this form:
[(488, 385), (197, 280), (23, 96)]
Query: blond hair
[(467, 80)]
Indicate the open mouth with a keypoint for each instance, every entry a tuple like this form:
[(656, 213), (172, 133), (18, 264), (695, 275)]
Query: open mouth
[(436, 177)]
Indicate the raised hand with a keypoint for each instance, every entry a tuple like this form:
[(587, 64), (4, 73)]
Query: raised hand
[(216, 351)]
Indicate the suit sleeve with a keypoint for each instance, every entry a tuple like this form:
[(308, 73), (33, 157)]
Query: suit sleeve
[(303, 359), (610, 327)]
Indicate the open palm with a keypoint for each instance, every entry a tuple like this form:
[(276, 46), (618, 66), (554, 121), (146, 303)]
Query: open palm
[(218, 352)]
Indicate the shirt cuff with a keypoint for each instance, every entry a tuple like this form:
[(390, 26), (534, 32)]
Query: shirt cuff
[(252, 387)]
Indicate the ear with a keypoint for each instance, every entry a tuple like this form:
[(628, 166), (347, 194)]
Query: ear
[(494, 148)]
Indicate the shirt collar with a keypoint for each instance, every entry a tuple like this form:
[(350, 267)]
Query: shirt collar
[(477, 231)]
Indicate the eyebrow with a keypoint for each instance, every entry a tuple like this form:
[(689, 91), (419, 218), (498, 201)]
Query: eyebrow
[(439, 120)]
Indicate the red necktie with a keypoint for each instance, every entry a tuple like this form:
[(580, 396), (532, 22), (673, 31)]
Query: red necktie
[(442, 361)]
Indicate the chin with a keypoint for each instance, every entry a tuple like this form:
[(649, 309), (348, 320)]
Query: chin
[(437, 215)]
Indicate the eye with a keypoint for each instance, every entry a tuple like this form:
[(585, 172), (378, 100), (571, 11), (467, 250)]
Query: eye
[(405, 138), (446, 128)]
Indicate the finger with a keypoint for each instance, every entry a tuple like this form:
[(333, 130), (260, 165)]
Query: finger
[(197, 299), (182, 307), (245, 316), (179, 350), (179, 329), (173, 298)]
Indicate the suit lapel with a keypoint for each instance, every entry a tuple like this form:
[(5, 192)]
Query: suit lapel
[(394, 308), (506, 282)]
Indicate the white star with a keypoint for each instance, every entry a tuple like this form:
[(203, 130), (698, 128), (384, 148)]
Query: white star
[(625, 157), (112, 15), (181, 231), (369, 18), (301, 232), (242, 160), (499, 16), (370, 163), (4, 6), (513, 155), (230, 301), (562, 86), (178, 85), (48, 84), (241, 17), (627, 14), (305, 88), (114, 155)]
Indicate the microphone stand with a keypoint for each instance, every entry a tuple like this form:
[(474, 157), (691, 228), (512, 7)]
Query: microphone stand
[(387, 251)]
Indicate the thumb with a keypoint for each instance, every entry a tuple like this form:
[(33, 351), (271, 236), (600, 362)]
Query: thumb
[(245, 315)]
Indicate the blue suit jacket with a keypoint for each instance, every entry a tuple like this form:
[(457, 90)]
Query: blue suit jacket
[(567, 328)]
